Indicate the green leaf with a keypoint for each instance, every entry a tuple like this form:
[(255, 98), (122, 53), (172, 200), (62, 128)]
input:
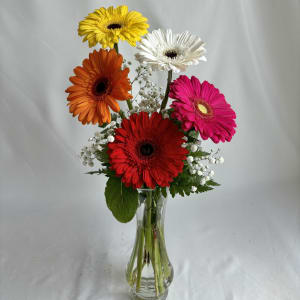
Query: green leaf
[(212, 183), (172, 190), (164, 192), (102, 155), (193, 134), (199, 153), (94, 172), (103, 125), (109, 173), (204, 188), (181, 192), (187, 190), (122, 201)]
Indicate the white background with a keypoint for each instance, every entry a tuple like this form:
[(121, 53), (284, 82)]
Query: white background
[(58, 241)]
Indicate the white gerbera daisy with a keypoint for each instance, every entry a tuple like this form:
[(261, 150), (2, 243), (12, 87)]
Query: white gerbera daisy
[(163, 50)]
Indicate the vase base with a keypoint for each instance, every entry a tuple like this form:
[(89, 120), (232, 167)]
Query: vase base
[(147, 291), (134, 296)]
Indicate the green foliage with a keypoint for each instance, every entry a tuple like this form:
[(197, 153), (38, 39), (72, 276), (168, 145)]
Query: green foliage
[(102, 155), (183, 183), (199, 153), (122, 201), (164, 191), (107, 172), (212, 183), (193, 134), (98, 172)]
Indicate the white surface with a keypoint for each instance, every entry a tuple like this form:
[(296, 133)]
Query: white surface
[(240, 242)]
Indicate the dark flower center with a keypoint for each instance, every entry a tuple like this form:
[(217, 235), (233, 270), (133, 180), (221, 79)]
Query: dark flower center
[(171, 54), (100, 86), (146, 149), (114, 26)]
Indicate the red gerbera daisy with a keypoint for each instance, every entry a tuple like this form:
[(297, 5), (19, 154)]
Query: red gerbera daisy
[(147, 150), (203, 107)]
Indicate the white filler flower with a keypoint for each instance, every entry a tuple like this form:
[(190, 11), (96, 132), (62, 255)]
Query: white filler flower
[(163, 50)]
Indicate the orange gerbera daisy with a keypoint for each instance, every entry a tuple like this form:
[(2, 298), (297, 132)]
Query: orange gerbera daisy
[(96, 87)]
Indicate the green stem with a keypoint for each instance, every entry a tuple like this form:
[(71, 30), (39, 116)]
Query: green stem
[(116, 47), (129, 104), (165, 101), (155, 267), (140, 260), (158, 265), (148, 227), (122, 115), (164, 257), (129, 272)]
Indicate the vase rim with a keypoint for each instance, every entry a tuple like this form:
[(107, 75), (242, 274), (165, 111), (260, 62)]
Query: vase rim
[(145, 190)]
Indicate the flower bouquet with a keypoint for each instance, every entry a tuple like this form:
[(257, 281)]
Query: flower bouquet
[(152, 149)]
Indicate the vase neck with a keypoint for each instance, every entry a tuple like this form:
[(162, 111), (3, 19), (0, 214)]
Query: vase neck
[(153, 204)]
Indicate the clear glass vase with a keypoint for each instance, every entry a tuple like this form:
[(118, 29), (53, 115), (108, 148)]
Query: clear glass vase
[(149, 271)]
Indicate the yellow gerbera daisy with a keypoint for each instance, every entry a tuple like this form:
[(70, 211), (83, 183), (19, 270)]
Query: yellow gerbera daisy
[(107, 26)]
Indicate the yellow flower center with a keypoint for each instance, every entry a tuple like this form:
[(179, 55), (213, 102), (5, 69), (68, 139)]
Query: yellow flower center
[(202, 108)]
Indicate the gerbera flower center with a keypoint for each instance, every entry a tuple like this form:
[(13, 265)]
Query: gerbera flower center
[(203, 108), (171, 54), (146, 149), (114, 26), (100, 86)]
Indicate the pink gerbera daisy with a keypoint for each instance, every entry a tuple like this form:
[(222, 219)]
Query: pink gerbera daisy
[(203, 107)]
